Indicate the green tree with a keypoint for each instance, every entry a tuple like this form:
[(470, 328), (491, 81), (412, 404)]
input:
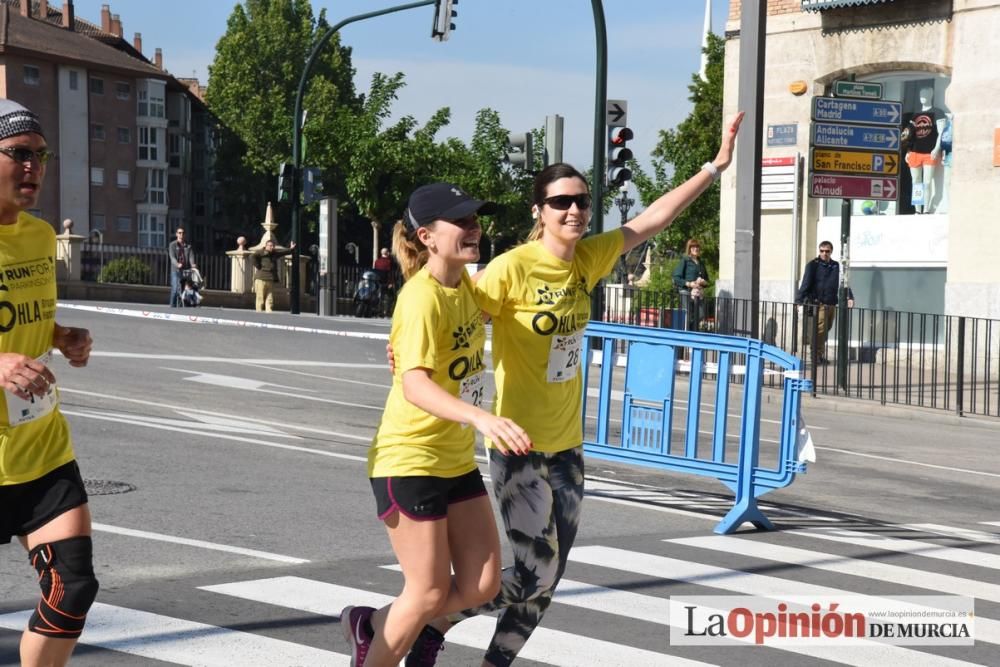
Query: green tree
[(694, 142), (252, 86), (482, 170)]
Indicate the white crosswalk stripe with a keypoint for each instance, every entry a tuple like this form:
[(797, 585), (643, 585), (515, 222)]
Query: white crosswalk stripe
[(197, 644)]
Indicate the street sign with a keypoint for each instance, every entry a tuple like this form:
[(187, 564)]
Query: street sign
[(856, 111), (782, 135), (852, 187), (855, 162), (778, 183), (866, 137), (857, 89), (617, 112)]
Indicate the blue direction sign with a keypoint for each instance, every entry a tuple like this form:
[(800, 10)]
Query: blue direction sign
[(856, 111), (866, 137)]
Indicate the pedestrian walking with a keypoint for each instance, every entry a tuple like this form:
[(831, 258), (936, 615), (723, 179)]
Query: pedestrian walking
[(181, 262), (818, 294)]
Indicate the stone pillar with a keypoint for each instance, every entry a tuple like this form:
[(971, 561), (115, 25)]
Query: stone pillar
[(69, 253), (240, 268), (376, 226)]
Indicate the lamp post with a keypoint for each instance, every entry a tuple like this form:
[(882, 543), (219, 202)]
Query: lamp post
[(624, 202), (297, 131)]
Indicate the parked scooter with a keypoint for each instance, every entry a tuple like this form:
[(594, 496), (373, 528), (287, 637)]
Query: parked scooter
[(367, 295)]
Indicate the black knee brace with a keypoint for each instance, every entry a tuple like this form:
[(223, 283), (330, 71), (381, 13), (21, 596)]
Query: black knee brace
[(69, 587)]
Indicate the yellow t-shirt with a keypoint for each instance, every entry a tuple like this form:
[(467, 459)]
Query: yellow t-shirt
[(38, 444), (439, 328), (540, 306)]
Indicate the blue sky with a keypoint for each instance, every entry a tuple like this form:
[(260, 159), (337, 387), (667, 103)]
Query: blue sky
[(524, 58)]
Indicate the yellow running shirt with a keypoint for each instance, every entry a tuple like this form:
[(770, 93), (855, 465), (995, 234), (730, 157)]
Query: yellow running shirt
[(540, 306), (34, 436), (441, 329)]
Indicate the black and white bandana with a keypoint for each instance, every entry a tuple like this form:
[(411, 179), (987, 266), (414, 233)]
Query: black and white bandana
[(16, 119)]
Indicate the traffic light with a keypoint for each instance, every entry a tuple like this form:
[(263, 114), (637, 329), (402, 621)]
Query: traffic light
[(286, 173), (312, 185), (618, 156), (520, 153), (443, 14)]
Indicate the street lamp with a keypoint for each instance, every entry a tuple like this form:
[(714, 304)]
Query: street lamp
[(297, 121), (624, 202)]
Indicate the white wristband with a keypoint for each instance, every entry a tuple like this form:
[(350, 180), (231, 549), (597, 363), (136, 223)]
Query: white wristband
[(712, 170)]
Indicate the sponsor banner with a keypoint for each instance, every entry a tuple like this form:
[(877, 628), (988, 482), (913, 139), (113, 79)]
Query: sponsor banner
[(835, 620)]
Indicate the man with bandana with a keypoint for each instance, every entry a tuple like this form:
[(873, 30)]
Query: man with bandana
[(42, 497)]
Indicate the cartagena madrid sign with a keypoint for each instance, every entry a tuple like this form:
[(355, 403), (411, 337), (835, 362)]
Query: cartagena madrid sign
[(825, 620)]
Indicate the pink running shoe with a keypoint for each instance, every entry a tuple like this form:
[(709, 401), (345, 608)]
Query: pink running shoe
[(353, 621)]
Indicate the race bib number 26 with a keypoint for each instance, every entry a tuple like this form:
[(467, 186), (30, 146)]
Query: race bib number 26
[(564, 357)]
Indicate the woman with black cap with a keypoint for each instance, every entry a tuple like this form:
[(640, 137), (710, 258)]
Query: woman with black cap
[(427, 486), (42, 498)]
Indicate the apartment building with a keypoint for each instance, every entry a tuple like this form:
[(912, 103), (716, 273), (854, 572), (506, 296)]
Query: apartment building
[(121, 126)]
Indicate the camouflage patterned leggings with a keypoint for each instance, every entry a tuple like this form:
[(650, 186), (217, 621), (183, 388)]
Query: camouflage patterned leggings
[(540, 497)]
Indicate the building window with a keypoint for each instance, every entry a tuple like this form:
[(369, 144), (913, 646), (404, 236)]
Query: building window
[(124, 135), (96, 86), (123, 178), (97, 176), (174, 150), (152, 230), (97, 221), (156, 191), (147, 143), (97, 132), (32, 75), (74, 80), (151, 104), (123, 90), (123, 223)]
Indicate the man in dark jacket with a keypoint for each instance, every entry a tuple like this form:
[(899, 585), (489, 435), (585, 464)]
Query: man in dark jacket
[(265, 273), (181, 260), (818, 293)]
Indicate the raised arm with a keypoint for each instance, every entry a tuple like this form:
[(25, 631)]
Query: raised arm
[(664, 210)]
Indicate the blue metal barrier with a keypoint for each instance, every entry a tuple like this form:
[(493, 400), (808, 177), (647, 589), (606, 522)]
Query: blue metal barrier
[(654, 359)]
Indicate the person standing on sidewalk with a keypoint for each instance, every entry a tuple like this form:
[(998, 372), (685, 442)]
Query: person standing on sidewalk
[(428, 488), (818, 294), (42, 498), (265, 273), (181, 262)]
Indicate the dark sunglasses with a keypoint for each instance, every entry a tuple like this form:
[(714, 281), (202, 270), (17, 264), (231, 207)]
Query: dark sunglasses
[(25, 155), (563, 202)]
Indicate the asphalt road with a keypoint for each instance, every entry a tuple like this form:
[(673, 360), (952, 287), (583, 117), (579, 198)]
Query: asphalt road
[(234, 519)]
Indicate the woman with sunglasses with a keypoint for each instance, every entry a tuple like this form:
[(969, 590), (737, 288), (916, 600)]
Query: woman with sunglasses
[(538, 295), (428, 489)]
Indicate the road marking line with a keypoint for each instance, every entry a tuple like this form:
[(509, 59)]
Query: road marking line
[(184, 409), (238, 362), (913, 547), (738, 581), (554, 647), (663, 611), (906, 462), (990, 523), (175, 640), (855, 567), (951, 531), (214, 546), (193, 430)]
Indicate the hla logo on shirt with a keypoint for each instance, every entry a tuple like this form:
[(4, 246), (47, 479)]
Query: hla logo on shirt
[(25, 275), (466, 365), (546, 323)]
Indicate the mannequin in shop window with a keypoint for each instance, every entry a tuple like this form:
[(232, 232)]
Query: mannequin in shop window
[(924, 134)]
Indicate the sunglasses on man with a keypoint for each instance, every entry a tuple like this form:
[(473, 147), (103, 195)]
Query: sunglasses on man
[(25, 155), (563, 202)]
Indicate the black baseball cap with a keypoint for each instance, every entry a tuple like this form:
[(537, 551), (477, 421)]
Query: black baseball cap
[(443, 201)]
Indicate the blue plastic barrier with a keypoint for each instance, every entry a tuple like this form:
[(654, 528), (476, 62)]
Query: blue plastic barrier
[(653, 359)]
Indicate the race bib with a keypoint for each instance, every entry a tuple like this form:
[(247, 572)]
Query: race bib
[(564, 357), (473, 388), (20, 411)]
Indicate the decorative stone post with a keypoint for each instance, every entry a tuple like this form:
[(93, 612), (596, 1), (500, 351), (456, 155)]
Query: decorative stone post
[(240, 268), (376, 226), (69, 253)]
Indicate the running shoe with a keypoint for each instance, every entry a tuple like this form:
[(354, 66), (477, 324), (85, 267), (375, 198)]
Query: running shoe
[(425, 649), (353, 621)]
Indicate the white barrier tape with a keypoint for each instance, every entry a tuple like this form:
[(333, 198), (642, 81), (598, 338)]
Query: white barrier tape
[(198, 319)]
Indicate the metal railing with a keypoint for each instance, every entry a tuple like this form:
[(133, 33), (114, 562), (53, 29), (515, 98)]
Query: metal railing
[(945, 362), (215, 270)]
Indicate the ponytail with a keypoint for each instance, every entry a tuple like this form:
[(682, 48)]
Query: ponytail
[(410, 252)]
